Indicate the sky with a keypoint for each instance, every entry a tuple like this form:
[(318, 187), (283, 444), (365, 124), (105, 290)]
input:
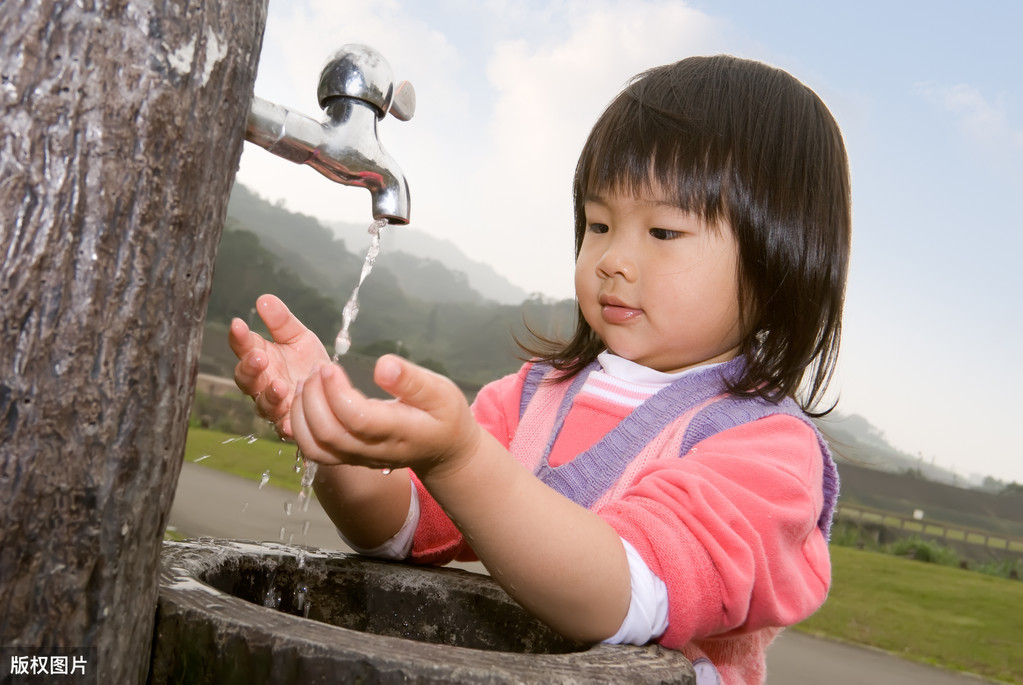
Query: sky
[(929, 96)]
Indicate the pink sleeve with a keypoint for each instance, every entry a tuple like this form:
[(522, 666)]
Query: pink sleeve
[(731, 528), (496, 408)]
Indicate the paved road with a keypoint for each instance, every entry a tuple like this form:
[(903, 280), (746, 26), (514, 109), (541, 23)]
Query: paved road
[(215, 504)]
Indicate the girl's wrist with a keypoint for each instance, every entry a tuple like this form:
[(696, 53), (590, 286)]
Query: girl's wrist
[(452, 461)]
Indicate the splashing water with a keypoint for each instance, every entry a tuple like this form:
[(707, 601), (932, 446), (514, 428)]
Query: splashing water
[(250, 438), (343, 342), (308, 475), (272, 599)]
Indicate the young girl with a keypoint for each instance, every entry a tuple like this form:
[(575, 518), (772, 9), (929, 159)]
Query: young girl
[(653, 478)]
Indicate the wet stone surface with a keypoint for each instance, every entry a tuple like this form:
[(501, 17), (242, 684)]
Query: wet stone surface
[(240, 612)]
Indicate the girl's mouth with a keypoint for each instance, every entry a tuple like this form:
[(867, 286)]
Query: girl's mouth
[(614, 311)]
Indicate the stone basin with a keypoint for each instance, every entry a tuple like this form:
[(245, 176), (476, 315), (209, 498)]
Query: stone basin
[(233, 611)]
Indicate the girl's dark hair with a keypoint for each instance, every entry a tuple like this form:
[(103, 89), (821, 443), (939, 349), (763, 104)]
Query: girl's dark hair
[(744, 144)]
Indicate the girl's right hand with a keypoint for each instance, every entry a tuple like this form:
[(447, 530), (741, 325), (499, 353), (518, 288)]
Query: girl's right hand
[(268, 371)]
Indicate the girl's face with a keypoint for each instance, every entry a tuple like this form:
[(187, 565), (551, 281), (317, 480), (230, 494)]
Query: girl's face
[(658, 284)]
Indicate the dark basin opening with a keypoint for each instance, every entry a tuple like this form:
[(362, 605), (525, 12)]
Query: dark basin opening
[(371, 622), (383, 598)]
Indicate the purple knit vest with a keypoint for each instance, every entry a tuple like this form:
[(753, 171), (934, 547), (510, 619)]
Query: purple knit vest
[(592, 473)]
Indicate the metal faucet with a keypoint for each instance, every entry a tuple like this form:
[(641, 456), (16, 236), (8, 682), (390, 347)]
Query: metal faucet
[(356, 90)]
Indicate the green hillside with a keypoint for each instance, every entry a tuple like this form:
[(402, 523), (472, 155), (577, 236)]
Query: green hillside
[(428, 312)]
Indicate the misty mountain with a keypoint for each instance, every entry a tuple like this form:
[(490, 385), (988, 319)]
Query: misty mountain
[(409, 303), (855, 440), (419, 264), (406, 243)]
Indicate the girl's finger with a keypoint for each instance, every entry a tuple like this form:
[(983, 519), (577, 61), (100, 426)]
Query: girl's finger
[(320, 418), (369, 421), (248, 372), (410, 383), (274, 402), (283, 326), (238, 338), (304, 434)]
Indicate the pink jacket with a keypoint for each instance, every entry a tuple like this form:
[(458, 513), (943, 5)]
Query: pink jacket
[(731, 528)]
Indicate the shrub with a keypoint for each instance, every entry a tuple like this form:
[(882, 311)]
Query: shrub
[(925, 550), (1004, 568)]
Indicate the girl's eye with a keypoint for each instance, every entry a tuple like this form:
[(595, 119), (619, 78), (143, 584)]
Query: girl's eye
[(665, 234), (598, 228)]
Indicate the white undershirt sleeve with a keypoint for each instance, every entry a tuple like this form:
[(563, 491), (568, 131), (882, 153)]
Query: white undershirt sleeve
[(646, 620), (648, 608), (400, 544)]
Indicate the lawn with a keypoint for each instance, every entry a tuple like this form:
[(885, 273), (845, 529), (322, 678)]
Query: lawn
[(244, 456), (940, 615), (948, 617)]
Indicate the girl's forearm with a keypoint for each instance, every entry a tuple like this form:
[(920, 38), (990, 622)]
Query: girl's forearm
[(366, 505), (557, 559)]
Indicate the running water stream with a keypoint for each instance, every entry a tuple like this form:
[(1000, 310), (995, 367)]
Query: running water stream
[(342, 344)]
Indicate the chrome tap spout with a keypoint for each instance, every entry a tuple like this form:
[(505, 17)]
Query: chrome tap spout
[(356, 91)]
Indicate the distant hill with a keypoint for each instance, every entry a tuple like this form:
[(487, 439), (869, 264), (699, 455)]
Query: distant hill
[(421, 265), (404, 243), (409, 303), (854, 439)]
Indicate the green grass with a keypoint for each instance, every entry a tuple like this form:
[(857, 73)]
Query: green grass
[(940, 615), (244, 458), (948, 617)]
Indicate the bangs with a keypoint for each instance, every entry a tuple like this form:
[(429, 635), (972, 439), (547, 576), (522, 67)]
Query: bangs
[(648, 141)]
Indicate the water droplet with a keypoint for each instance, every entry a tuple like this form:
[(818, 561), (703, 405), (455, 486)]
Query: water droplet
[(385, 471), (244, 507), (272, 599), (198, 459), (281, 536), (265, 479), (305, 527), (287, 508), (250, 438)]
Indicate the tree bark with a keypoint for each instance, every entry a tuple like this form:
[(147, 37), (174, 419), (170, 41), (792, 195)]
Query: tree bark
[(121, 127)]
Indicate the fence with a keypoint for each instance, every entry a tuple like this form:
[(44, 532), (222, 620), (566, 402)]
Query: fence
[(972, 536)]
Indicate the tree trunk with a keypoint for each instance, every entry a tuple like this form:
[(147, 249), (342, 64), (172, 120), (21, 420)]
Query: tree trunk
[(120, 131)]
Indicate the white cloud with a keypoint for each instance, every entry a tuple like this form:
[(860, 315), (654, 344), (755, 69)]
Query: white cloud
[(548, 94), (986, 122), (490, 153)]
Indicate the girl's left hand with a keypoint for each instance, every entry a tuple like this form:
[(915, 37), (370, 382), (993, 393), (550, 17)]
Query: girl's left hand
[(427, 427)]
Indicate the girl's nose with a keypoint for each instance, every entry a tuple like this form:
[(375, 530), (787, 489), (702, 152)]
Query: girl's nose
[(616, 261)]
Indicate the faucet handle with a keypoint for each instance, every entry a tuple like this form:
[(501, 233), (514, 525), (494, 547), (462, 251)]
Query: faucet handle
[(403, 105), (360, 72)]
